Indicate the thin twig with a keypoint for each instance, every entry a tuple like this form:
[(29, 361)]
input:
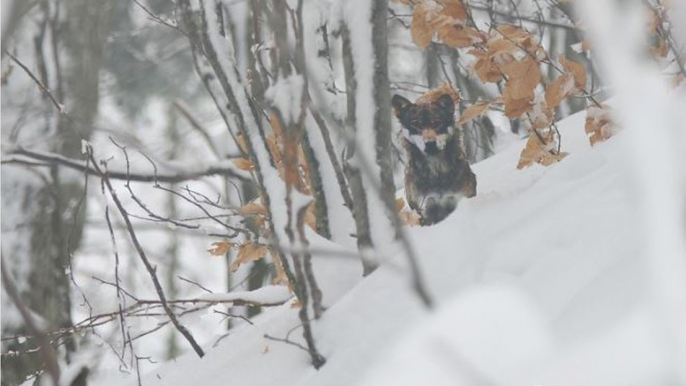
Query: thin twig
[(141, 253), (59, 106), (55, 159), (287, 341)]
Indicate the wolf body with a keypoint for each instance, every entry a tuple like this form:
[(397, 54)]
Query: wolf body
[(437, 174)]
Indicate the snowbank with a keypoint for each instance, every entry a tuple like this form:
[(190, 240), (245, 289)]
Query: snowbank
[(537, 281)]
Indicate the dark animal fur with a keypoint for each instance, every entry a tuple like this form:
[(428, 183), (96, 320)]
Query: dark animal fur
[(436, 176)]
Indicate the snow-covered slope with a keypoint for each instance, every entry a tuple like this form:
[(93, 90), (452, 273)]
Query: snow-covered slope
[(533, 278)]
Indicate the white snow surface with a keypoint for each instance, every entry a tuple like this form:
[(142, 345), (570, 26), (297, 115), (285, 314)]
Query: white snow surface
[(286, 96), (539, 279)]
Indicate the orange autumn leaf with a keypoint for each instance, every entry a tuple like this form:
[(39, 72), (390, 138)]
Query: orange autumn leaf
[(558, 90), (514, 33), (576, 70), (454, 9), (473, 111), (571, 82), (445, 17), (220, 248), (433, 94), (247, 253), (459, 36), (422, 26), (599, 124), (252, 208), (523, 77), (540, 151), (519, 39), (516, 107), (243, 164)]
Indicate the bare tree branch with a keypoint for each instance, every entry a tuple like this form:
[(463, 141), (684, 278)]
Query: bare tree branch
[(82, 166), (141, 253)]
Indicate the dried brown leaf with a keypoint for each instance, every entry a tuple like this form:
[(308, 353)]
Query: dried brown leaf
[(220, 248), (576, 70), (422, 27), (433, 94), (456, 37), (247, 253), (473, 111), (557, 90), (514, 108), (454, 9), (599, 124), (523, 77), (243, 164), (252, 208), (540, 152), (514, 33)]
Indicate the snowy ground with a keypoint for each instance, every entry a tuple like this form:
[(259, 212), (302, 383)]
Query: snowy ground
[(538, 280)]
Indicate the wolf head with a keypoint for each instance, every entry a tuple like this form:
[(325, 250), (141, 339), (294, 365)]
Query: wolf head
[(427, 126)]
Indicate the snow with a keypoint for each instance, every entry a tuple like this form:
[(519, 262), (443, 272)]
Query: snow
[(567, 275), (486, 335), (286, 96), (539, 279), (654, 124)]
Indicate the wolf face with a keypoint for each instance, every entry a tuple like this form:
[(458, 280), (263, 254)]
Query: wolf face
[(436, 173), (426, 126)]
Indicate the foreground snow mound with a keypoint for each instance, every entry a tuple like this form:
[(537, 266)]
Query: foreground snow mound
[(536, 279), (487, 335)]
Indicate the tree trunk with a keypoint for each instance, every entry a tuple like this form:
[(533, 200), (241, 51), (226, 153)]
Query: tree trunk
[(55, 232)]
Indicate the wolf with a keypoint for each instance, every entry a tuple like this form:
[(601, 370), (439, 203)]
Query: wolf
[(437, 175)]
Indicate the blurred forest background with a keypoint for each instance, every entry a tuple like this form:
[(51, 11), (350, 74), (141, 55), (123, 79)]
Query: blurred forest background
[(136, 135)]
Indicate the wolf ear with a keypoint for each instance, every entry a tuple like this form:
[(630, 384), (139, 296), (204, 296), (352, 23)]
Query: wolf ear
[(445, 102), (400, 103)]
